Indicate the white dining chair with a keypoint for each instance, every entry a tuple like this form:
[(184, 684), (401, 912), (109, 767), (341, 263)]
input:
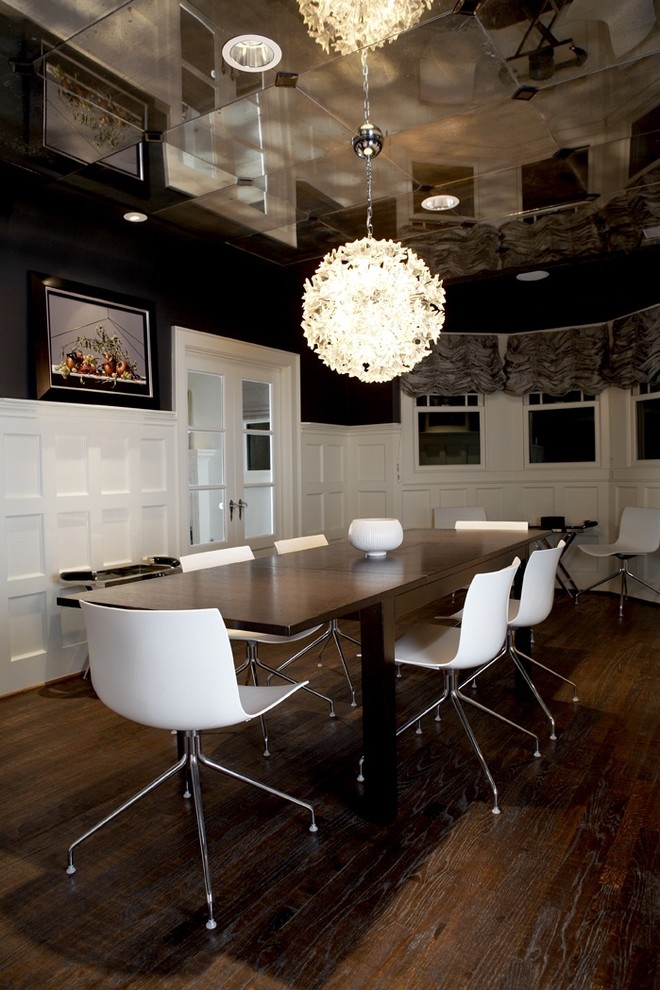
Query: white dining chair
[(175, 670), (446, 518), (639, 535), (537, 598), (332, 631), (480, 638), (251, 637), (492, 524)]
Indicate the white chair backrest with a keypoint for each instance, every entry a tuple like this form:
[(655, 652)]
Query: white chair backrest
[(639, 529), (447, 518), (301, 543), (485, 617), (168, 669), (537, 595), (215, 558), (492, 524)]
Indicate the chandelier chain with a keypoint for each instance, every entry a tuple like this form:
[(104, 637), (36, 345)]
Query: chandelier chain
[(368, 159), (365, 83), (370, 205)]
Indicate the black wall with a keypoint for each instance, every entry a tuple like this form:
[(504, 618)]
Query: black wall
[(48, 228)]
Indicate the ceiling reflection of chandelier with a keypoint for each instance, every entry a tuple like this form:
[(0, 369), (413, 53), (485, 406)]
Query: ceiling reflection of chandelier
[(372, 310), (347, 25)]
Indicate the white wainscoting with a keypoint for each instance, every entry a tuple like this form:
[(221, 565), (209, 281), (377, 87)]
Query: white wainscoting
[(374, 475), (348, 472), (83, 486)]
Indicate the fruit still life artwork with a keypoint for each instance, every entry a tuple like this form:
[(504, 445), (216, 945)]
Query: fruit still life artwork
[(102, 357)]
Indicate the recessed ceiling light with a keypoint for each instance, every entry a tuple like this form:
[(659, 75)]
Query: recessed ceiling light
[(535, 276), (436, 203), (134, 217), (252, 53)]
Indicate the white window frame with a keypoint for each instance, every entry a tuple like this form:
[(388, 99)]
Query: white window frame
[(410, 413), (640, 393), (528, 407)]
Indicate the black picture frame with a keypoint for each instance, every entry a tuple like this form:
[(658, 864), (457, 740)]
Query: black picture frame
[(92, 345)]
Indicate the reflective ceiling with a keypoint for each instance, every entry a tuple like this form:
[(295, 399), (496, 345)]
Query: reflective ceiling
[(523, 109)]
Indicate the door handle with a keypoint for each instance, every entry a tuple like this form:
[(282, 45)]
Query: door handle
[(240, 505)]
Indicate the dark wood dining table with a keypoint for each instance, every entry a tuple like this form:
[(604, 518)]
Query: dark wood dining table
[(289, 593)]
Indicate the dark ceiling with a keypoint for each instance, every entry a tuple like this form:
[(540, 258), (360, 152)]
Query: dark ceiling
[(541, 116)]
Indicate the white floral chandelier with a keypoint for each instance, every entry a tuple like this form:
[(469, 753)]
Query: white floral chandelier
[(372, 310), (347, 25)]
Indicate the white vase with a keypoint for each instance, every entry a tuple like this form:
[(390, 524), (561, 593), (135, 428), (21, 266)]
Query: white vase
[(375, 536)]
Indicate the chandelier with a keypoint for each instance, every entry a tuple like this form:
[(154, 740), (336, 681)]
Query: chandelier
[(372, 310), (347, 25)]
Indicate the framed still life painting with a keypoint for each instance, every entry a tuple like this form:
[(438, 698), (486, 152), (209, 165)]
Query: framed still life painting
[(91, 345)]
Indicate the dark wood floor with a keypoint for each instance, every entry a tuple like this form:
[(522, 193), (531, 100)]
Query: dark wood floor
[(559, 892)]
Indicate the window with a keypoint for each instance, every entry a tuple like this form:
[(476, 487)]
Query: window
[(646, 399), (561, 429), (197, 64), (449, 429)]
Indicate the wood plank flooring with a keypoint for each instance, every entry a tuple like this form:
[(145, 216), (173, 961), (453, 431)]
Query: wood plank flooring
[(559, 892)]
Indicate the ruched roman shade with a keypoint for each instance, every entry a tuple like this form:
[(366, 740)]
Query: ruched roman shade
[(623, 353)]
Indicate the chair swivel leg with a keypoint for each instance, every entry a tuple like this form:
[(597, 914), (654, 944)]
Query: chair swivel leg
[(264, 787), (179, 765), (250, 665), (192, 774), (332, 632), (516, 653), (194, 760), (273, 672), (406, 725), (624, 573), (457, 697)]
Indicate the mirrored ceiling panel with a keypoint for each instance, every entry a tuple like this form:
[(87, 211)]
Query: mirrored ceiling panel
[(518, 108)]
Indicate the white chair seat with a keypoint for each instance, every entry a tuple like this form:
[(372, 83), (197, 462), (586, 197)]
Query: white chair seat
[(446, 518)]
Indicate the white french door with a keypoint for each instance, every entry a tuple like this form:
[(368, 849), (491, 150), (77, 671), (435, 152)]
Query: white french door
[(239, 441)]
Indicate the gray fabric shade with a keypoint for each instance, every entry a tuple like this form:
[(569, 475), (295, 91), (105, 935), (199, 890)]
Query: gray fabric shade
[(623, 353)]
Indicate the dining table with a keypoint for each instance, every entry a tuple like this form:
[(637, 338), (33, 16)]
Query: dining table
[(285, 594)]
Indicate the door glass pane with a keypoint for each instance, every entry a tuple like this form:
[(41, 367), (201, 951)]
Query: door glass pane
[(258, 514), (207, 517), (256, 405), (258, 458), (205, 400), (206, 458)]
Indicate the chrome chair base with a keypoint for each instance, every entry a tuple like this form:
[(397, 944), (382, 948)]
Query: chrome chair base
[(452, 690), (333, 632), (518, 657), (253, 663), (190, 761), (625, 574)]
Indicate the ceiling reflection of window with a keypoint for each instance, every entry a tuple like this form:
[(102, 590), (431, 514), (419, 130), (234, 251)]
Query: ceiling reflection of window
[(555, 181), (645, 142), (197, 63)]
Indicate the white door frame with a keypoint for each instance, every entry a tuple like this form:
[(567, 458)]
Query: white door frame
[(287, 416)]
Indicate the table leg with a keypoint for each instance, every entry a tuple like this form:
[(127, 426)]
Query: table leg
[(379, 712)]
